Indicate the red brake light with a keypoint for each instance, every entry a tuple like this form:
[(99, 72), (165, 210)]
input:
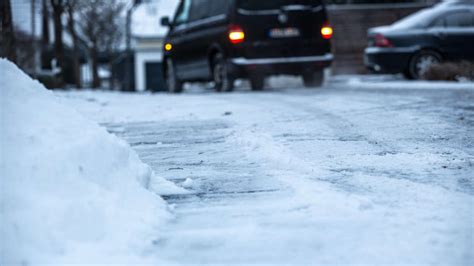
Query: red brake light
[(381, 41), (327, 32), (236, 34)]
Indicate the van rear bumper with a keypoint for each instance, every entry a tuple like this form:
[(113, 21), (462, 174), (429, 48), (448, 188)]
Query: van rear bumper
[(282, 60), (242, 67)]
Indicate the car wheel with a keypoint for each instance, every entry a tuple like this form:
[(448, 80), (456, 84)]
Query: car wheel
[(257, 82), (421, 62), (220, 74), (172, 82), (314, 79)]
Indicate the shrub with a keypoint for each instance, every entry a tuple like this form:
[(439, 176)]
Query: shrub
[(450, 71), (50, 81)]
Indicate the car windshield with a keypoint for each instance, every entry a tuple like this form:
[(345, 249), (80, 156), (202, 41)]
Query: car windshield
[(275, 4), (420, 19)]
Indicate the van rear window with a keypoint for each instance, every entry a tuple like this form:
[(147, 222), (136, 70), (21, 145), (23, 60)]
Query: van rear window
[(274, 4)]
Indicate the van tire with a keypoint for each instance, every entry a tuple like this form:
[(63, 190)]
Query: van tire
[(257, 82), (314, 79), (220, 74), (173, 84)]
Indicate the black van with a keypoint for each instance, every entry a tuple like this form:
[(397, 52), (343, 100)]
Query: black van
[(222, 40)]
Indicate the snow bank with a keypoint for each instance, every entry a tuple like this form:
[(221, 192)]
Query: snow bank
[(70, 192)]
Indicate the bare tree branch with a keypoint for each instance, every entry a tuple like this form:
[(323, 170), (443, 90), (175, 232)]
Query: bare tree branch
[(100, 28)]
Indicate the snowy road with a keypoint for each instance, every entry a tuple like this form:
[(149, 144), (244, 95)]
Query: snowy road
[(340, 175)]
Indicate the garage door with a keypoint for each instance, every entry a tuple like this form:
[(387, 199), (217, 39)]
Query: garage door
[(154, 76)]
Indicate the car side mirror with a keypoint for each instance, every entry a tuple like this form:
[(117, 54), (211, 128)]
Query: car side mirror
[(165, 21)]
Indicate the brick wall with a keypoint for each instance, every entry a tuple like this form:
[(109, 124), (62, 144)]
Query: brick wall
[(350, 25)]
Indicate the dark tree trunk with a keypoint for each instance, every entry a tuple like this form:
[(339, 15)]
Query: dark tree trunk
[(58, 36), (45, 63), (112, 75), (95, 67), (8, 34), (76, 62)]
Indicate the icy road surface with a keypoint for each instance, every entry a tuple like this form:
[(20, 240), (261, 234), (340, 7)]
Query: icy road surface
[(340, 175)]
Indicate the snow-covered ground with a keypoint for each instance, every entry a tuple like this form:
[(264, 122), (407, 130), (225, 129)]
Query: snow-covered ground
[(71, 193), (398, 82), (360, 172)]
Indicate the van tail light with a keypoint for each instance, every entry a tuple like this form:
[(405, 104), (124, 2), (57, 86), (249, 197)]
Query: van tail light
[(381, 41), (236, 34), (326, 32)]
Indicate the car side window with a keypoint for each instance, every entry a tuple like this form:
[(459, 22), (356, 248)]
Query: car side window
[(182, 15), (454, 20), (218, 7), (459, 20), (199, 10), (439, 23)]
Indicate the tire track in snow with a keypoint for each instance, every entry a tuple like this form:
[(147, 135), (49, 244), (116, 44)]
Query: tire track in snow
[(377, 147)]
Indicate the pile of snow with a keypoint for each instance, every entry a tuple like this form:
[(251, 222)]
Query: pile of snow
[(70, 191)]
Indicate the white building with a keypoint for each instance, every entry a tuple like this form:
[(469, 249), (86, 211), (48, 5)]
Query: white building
[(147, 41)]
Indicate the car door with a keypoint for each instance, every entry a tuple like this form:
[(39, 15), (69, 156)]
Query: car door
[(455, 35), (177, 37), (188, 40), (206, 24), (211, 29)]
